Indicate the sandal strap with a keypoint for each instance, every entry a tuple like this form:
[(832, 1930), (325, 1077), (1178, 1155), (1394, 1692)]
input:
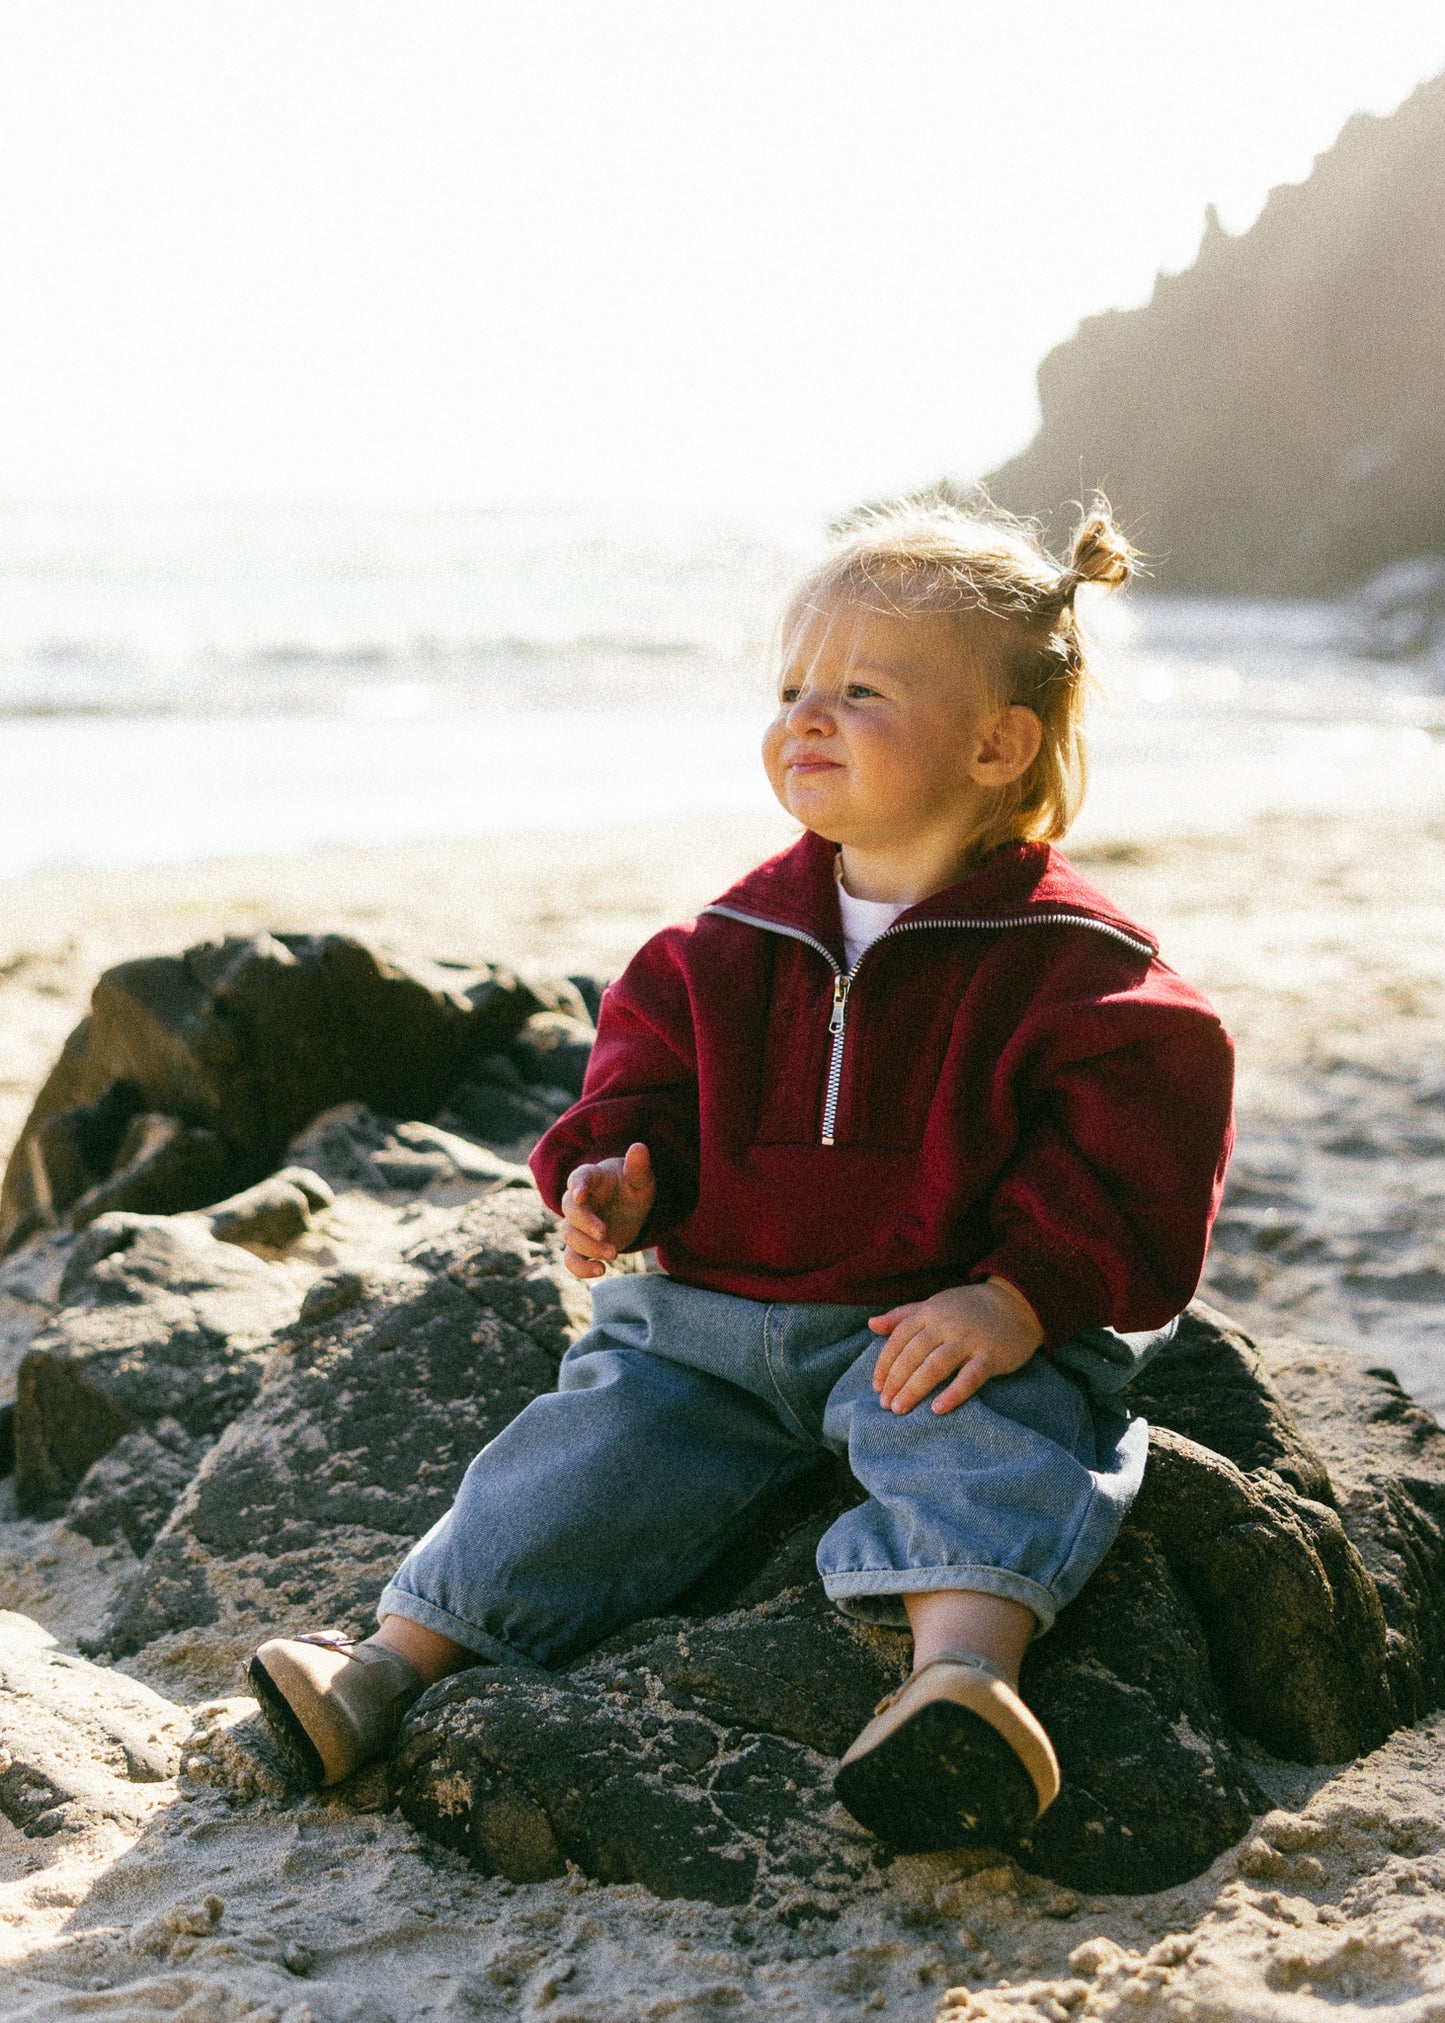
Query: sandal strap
[(971, 1659), (974, 1659), (331, 1640)]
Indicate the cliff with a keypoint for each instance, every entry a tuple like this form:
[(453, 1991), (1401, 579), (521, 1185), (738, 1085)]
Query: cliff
[(1271, 421)]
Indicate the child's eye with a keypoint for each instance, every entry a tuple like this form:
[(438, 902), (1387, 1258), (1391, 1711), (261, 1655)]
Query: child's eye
[(789, 694), (858, 690)]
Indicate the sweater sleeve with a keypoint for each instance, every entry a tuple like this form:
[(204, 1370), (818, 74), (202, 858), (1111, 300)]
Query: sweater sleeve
[(1102, 1215), (641, 1083)]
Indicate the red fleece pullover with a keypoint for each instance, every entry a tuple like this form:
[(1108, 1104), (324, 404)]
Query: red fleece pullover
[(1009, 1083)]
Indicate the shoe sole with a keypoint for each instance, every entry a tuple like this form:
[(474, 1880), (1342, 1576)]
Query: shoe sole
[(300, 1752), (943, 1779)]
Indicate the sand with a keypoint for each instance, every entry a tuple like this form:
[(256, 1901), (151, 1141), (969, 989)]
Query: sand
[(1324, 945)]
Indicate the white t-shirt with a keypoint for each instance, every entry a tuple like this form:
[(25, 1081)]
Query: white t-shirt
[(864, 920)]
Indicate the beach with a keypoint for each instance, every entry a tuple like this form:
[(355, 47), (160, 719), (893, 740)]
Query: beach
[(425, 432), (1322, 940)]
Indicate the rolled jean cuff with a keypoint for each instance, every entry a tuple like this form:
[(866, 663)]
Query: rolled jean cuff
[(877, 1597), (397, 1601)]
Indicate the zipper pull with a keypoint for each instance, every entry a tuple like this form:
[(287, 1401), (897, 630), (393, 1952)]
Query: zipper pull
[(841, 986)]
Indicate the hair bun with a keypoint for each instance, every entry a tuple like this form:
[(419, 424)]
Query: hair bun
[(1098, 553)]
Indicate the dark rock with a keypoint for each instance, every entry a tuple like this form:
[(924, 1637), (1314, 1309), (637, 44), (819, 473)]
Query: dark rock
[(108, 1234), (753, 1706), (1386, 1459), (29, 1291), (156, 1321), (1269, 421), (589, 989), (130, 1492), (553, 1050), (252, 1039), (789, 1666), (1211, 1384), (162, 1166), (25, 1204), (522, 1773), (78, 1148), (1291, 1617), (377, 1400), (1154, 1785), (498, 1107), (1280, 1579)]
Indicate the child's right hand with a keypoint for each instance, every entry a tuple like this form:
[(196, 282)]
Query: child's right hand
[(604, 1209)]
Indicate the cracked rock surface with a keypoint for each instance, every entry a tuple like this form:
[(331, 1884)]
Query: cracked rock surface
[(156, 1320), (375, 1401)]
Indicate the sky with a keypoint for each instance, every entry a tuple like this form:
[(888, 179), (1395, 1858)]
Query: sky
[(771, 257)]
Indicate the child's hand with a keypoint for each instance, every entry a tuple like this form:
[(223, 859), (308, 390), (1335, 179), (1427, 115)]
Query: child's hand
[(978, 1331), (603, 1209)]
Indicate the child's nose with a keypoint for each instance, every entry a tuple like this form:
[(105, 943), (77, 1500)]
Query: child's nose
[(809, 711)]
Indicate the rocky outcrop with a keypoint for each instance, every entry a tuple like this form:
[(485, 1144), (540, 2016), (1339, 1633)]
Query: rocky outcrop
[(1293, 1622), (192, 1072), (1386, 1459), (552, 1051), (353, 1148), (1233, 1606), (496, 1105), (156, 1321), (1270, 421), (524, 1773), (376, 1400), (133, 1488), (272, 1214)]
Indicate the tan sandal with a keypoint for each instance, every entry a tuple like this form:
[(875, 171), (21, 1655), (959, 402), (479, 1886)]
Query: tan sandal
[(953, 1758), (332, 1704)]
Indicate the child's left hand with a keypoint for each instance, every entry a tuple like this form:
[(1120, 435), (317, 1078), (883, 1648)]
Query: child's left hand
[(979, 1331)]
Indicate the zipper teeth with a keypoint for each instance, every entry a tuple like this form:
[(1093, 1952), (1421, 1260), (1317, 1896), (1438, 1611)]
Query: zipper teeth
[(843, 979), (841, 986), (830, 1100)]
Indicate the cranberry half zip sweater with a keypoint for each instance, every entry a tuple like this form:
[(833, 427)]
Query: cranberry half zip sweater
[(1009, 1084)]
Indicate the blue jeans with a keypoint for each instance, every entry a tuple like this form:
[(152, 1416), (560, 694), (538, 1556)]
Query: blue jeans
[(681, 1412)]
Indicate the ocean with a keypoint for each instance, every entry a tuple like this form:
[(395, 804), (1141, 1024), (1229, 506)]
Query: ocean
[(209, 681)]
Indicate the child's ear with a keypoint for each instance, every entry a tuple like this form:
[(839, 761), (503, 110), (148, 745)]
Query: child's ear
[(1007, 747)]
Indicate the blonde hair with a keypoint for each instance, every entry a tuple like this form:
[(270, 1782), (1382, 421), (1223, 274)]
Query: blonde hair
[(1013, 608)]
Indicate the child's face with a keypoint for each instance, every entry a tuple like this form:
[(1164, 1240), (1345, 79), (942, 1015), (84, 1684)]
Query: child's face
[(885, 736)]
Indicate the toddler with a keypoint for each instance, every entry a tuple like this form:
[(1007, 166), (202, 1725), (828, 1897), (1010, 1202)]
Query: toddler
[(928, 1141)]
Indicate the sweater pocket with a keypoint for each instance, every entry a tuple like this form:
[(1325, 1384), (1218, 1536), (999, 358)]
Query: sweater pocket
[(798, 1209)]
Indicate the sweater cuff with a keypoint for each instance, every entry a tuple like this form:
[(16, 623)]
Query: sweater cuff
[(1064, 1299)]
